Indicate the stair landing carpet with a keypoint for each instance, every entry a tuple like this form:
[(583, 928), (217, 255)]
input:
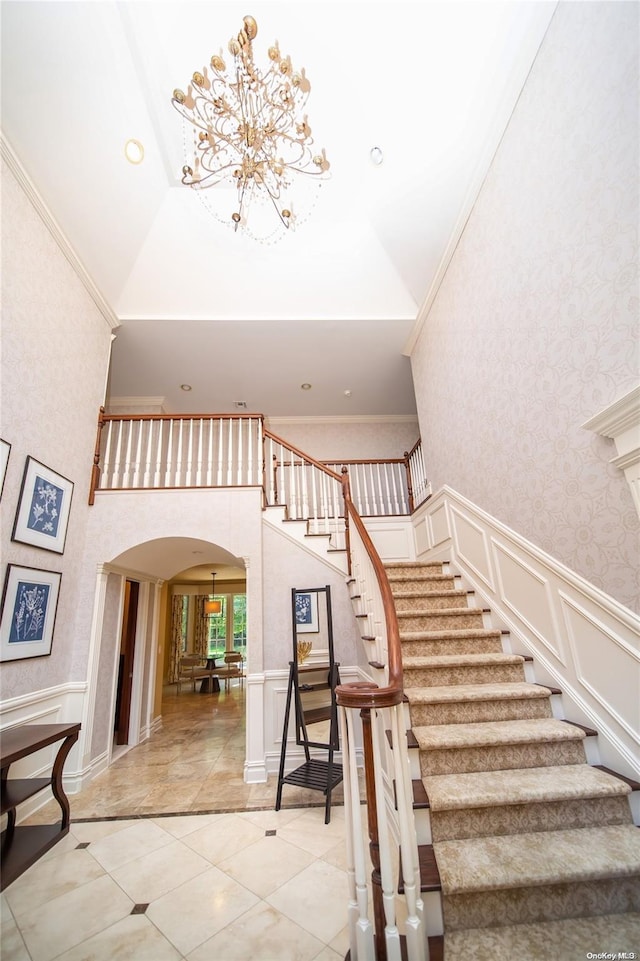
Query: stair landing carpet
[(537, 852)]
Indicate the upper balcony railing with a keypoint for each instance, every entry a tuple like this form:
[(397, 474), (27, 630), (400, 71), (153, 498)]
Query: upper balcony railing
[(164, 451)]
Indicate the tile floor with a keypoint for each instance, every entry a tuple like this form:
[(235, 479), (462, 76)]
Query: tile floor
[(171, 856)]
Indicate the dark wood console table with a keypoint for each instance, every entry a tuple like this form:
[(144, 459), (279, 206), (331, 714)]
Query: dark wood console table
[(22, 846)]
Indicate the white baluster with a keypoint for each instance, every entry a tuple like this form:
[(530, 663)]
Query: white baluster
[(240, 452), (230, 455), (210, 452), (199, 454), (146, 480), (388, 469), (106, 461), (365, 470), (127, 457), (187, 476), (250, 443), (292, 501), (168, 472), (356, 476), (178, 471), (159, 458), (138, 462), (361, 929), (395, 493), (220, 452), (305, 496), (380, 496), (315, 474)]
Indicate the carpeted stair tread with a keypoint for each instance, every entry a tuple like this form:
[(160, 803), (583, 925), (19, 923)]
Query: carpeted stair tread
[(440, 634), (475, 692), (489, 733), (544, 858), (459, 660), (521, 786), (573, 939)]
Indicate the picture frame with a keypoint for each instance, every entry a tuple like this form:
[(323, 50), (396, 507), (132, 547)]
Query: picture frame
[(306, 612), (5, 450), (29, 607), (42, 517)]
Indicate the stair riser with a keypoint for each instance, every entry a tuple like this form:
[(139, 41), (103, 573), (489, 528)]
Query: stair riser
[(462, 674), (470, 712), (529, 818), (430, 602), (501, 757), (462, 645), (440, 620), (543, 903)]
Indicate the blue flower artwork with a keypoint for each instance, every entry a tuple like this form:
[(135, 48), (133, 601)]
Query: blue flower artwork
[(46, 505), (303, 609), (29, 612)]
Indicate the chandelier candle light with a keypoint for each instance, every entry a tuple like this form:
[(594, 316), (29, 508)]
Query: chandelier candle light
[(250, 131)]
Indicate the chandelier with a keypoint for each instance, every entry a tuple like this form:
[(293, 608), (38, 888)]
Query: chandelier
[(250, 132)]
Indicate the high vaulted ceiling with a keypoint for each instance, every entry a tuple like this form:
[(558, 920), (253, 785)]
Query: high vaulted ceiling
[(333, 304)]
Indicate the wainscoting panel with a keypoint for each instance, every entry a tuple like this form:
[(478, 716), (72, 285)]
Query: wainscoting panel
[(617, 675), (437, 526), (393, 538), (529, 596), (472, 545)]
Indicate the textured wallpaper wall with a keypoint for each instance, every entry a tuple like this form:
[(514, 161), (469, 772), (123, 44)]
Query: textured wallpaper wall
[(352, 438), (535, 326), (55, 351)]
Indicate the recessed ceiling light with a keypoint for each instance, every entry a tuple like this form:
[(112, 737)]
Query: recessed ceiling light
[(134, 151), (185, 386), (305, 386), (347, 393), (376, 156)]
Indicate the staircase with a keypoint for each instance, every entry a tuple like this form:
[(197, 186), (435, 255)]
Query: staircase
[(531, 849)]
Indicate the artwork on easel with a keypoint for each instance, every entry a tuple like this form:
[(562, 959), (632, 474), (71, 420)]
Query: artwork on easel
[(306, 612)]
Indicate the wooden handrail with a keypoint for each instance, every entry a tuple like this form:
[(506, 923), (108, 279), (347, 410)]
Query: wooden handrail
[(365, 695), (232, 416), (301, 454)]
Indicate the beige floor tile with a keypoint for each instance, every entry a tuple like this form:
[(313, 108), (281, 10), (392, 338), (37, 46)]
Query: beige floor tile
[(218, 899), (66, 921), (264, 866), (328, 954), (134, 938), (261, 934), (311, 833), (142, 837), (13, 947), (316, 899), (154, 875), (180, 825), (51, 877), (224, 838)]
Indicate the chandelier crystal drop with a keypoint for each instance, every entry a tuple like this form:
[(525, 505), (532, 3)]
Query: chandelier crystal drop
[(250, 133)]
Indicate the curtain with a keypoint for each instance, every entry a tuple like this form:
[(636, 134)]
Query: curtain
[(176, 636), (201, 629)]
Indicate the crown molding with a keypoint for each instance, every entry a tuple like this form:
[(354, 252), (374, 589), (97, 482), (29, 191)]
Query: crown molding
[(617, 418), (345, 419), (29, 188)]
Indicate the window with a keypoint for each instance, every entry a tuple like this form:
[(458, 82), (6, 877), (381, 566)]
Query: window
[(228, 629), (184, 621)]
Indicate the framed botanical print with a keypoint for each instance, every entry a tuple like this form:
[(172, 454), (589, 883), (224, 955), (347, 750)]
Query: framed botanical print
[(43, 511), (5, 450), (306, 612), (29, 604)]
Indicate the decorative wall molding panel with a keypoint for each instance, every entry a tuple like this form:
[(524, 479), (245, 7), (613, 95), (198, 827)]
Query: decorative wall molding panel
[(582, 640)]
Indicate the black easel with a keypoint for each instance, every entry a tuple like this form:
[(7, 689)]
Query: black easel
[(305, 680)]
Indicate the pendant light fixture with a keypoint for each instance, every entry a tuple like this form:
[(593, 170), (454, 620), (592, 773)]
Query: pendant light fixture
[(212, 606)]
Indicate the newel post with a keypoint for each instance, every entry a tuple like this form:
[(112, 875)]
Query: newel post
[(407, 467), (95, 470)]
